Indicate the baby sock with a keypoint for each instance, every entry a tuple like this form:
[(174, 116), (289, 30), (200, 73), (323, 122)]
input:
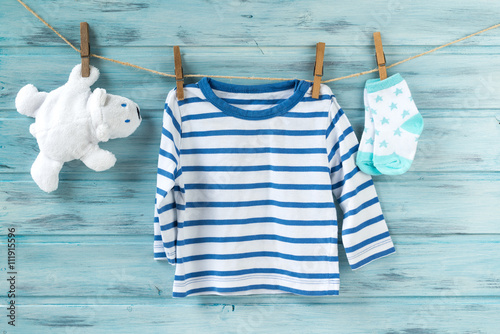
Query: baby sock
[(364, 157), (397, 124)]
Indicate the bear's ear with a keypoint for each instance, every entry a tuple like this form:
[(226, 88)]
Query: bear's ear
[(100, 96), (96, 100)]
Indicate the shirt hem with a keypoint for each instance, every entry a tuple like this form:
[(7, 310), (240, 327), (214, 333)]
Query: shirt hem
[(254, 290)]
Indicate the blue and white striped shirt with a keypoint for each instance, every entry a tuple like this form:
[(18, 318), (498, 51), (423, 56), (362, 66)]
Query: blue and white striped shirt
[(247, 176)]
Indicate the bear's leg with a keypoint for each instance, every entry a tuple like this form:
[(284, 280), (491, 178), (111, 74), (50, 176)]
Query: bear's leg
[(98, 159), (45, 172), (29, 99)]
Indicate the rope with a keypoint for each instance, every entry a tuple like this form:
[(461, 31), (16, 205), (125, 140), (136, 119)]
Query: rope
[(251, 78), (132, 65)]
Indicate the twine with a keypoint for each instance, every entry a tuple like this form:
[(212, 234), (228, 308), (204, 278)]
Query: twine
[(251, 78)]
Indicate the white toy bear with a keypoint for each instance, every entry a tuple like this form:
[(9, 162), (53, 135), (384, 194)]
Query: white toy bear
[(71, 120)]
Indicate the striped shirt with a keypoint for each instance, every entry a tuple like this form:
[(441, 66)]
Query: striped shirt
[(247, 176)]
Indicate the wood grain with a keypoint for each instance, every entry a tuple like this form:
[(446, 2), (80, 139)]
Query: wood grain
[(380, 315), (64, 266), (414, 204), (450, 144), (85, 251), (236, 23), (448, 82)]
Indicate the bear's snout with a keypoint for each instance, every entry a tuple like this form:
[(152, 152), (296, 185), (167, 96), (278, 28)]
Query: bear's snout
[(138, 112)]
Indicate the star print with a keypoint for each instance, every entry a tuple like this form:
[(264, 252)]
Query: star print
[(378, 99), (383, 143), (405, 113), (384, 121), (394, 106), (369, 141), (371, 119), (376, 132), (411, 98), (397, 132), (366, 130), (373, 111), (398, 91)]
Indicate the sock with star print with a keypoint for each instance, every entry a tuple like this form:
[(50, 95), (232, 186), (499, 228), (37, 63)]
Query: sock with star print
[(364, 156), (397, 124)]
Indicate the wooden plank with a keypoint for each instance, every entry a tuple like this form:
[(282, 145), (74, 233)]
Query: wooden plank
[(251, 23), (414, 203), (85, 251), (440, 266), (379, 315), (449, 81), (446, 144)]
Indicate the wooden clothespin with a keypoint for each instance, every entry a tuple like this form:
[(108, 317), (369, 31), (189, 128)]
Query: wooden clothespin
[(318, 69), (85, 48), (379, 51), (179, 73)]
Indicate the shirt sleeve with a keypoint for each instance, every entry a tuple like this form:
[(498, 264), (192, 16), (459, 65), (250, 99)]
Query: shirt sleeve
[(365, 235), (165, 213)]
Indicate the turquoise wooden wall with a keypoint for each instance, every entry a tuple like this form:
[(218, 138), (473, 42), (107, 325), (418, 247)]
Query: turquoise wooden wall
[(84, 256)]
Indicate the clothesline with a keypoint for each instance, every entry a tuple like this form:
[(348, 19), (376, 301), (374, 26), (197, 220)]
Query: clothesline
[(250, 78)]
